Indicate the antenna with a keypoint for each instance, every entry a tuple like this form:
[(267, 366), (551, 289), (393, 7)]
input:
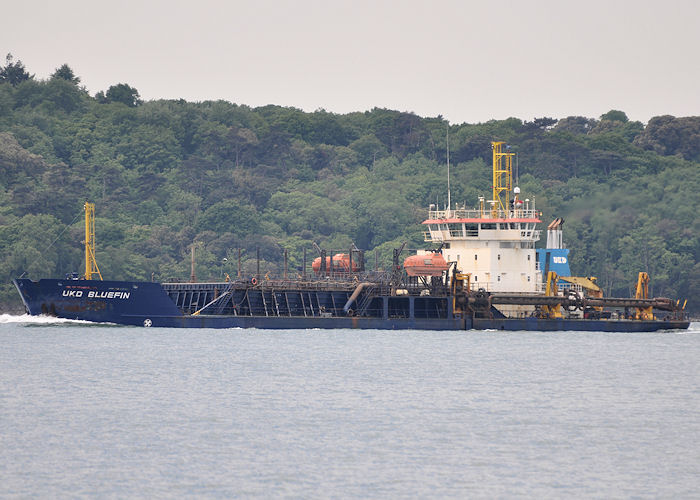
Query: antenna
[(448, 166)]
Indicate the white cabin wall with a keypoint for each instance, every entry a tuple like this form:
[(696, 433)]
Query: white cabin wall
[(513, 267)]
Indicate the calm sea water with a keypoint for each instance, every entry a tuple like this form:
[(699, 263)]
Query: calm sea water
[(105, 411)]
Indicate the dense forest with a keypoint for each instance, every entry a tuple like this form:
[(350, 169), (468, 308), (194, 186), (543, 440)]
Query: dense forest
[(167, 174)]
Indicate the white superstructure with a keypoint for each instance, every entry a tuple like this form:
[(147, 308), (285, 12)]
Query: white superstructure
[(495, 243)]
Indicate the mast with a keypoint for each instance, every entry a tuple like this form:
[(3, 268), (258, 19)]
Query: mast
[(502, 176), (91, 268), (448, 168), (193, 277)]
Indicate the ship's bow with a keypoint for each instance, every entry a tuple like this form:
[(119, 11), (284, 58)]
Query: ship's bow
[(27, 293)]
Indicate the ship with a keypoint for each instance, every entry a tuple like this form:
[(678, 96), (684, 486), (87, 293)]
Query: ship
[(481, 271)]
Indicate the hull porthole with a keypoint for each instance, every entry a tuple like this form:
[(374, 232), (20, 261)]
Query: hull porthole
[(147, 322)]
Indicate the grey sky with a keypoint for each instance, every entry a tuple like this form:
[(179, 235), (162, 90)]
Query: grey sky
[(469, 61)]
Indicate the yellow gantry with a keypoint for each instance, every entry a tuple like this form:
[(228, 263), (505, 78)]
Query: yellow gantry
[(91, 268), (552, 290), (642, 292), (502, 176), (461, 282)]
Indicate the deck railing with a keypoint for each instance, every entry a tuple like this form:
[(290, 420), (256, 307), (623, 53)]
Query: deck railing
[(460, 213)]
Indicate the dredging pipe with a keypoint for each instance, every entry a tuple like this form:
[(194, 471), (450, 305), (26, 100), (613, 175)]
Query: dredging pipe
[(575, 301), (354, 295)]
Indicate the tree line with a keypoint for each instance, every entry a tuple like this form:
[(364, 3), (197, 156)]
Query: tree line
[(165, 174)]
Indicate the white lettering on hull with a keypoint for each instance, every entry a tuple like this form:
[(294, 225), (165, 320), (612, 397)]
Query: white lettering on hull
[(97, 295)]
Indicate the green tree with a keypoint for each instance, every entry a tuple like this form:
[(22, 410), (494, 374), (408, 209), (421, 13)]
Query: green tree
[(668, 135), (369, 149), (14, 72), (544, 123), (615, 115), (575, 125), (60, 94), (122, 93), (65, 72), (230, 216)]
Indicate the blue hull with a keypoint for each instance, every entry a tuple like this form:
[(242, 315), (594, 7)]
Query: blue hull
[(149, 304)]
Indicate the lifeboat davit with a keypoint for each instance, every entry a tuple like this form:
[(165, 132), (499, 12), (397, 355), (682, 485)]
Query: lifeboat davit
[(432, 264), (341, 264)]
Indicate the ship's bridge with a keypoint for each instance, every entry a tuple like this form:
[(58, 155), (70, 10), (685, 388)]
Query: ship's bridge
[(518, 225)]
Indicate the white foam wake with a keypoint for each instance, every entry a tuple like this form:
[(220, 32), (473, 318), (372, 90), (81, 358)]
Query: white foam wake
[(41, 320)]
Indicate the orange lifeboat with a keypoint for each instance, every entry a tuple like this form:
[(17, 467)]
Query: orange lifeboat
[(432, 264), (341, 264)]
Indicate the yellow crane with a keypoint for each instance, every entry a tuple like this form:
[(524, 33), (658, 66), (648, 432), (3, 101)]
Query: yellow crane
[(642, 292), (91, 268)]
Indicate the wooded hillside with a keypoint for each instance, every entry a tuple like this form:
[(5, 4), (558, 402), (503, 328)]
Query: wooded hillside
[(165, 174)]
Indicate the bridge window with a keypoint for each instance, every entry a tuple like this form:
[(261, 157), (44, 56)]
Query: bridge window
[(489, 226), (455, 229)]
